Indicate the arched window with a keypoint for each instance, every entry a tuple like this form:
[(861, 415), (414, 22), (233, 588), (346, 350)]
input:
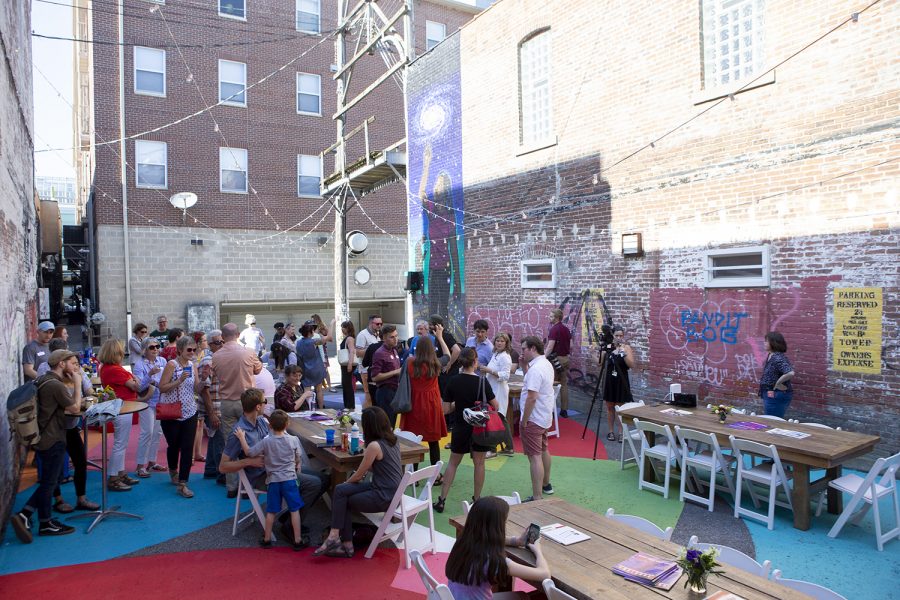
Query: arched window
[(535, 106)]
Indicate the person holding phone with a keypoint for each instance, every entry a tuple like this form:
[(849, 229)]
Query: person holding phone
[(478, 559), (617, 387), (178, 384)]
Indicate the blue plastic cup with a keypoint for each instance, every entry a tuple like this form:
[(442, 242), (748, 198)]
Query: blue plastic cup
[(329, 436)]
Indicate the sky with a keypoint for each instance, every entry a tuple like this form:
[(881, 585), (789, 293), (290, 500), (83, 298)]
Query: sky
[(52, 114)]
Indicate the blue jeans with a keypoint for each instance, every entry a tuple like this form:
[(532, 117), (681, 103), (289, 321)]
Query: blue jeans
[(778, 405), (51, 461), (214, 450), (383, 397)]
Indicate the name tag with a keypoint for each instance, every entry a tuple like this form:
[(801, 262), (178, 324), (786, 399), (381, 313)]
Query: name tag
[(41, 353)]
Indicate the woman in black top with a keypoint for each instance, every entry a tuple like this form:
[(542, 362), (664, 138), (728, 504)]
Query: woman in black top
[(617, 388), (462, 392), (775, 385)]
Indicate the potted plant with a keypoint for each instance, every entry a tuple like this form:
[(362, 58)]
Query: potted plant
[(723, 410), (698, 565), (343, 419)]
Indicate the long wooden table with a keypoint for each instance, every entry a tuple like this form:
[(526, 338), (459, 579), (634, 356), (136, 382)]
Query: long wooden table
[(824, 449), (584, 569), (312, 433)]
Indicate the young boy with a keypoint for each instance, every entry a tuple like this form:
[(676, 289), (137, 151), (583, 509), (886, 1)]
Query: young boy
[(283, 458)]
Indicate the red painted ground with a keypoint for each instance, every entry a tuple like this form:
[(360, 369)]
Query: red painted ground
[(569, 443)]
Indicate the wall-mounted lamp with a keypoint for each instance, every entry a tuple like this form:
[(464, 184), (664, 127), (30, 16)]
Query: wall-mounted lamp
[(631, 245), (362, 276), (357, 242)]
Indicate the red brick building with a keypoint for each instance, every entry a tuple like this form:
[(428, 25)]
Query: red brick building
[(694, 165)]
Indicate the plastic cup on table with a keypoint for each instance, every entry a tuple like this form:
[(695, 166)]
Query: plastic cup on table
[(329, 437)]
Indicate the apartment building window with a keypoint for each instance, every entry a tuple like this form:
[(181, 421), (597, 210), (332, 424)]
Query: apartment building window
[(539, 273), (733, 41), (149, 71), (152, 164), (434, 34), (233, 170), (233, 83), (84, 108), (309, 94), (737, 267), (236, 9), (535, 108), (308, 15), (309, 175)]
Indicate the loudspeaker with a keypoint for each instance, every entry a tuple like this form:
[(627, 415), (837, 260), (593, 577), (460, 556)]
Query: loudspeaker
[(415, 281)]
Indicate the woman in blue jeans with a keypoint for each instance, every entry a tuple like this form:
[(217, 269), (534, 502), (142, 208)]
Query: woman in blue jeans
[(775, 386)]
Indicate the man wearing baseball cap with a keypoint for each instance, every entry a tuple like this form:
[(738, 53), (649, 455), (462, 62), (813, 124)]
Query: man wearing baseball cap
[(37, 350), (54, 402)]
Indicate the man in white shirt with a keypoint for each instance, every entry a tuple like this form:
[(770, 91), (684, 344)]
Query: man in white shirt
[(536, 405), (364, 339)]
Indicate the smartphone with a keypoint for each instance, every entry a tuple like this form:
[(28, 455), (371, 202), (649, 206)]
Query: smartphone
[(534, 533)]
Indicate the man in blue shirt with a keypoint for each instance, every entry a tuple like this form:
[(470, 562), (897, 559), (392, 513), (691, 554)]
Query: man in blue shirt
[(483, 347), (421, 329)]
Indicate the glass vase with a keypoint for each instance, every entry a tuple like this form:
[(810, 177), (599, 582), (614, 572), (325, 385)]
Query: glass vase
[(697, 582), (722, 417)]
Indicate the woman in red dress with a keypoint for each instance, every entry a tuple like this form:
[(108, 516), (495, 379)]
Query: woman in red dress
[(426, 417)]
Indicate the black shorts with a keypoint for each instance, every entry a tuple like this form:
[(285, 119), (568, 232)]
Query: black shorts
[(461, 440)]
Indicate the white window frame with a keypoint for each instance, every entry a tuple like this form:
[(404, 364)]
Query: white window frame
[(227, 156), (431, 42), (243, 83), (230, 16), (732, 42), (536, 91), (141, 146), (526, 275), (300, 174), (318, 14), (318, 94), (762, 252), (137, 51)]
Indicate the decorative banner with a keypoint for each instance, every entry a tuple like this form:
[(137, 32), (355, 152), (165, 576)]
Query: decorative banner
[(857, 330)]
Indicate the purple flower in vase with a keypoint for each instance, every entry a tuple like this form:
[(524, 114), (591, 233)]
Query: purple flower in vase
[(693, 556)]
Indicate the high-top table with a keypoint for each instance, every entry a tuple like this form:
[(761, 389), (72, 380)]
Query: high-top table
[(128, 407), (824, 449), (584, 569)]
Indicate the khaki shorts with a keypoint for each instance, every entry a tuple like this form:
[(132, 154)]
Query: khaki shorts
[(534, 439)]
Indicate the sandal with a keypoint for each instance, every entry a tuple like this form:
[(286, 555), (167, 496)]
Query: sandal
[(157, 467), (63, 507), (142, 473), (611, 436), (438, 481), (328, 546), (184, 491), (439, 505), (341, 552), (199, 458), (117, 485)]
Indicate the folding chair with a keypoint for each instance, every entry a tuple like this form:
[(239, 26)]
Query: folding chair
[(412, 437), (554, 428), (711, 460), (664, 449), (733, 557), (435, 589), (245, 490), (813, 590), (771, 417), (868, 492), (641, 524), (769, 474), (554, 593), (407, 508), (511, 500), (629, 436)]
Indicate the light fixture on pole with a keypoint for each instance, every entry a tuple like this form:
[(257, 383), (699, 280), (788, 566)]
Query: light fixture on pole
[(357, 243)]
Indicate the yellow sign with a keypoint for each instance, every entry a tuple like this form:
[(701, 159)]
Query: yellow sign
[(857, 330)]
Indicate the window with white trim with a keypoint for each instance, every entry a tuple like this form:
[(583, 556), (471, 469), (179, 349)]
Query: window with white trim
[(308, 16), (233, 170), (309, 175), (539, 273), (535, 107), (232, 83), (309, 94), (235, 9), (149, 71), (733, 41), (151, 159), (737, 267), (434, 34)]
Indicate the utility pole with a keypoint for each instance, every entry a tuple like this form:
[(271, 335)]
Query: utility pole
[(341, 301)]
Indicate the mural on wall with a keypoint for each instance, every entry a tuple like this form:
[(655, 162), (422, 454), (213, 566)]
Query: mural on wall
[(857, 330), (436, 201)]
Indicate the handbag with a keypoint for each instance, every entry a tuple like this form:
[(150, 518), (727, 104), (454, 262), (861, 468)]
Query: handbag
[(343, 357), (402, 401), (494, 432), (170, 411)]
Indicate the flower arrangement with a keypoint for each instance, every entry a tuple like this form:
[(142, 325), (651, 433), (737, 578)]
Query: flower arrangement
[(105, 393), (342, 418), (723, 410), (698, 565)]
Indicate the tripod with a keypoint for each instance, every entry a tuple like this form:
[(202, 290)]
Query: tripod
[(599, 408)]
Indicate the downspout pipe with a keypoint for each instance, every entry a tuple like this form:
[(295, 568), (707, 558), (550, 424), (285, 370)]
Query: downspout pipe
[(122, 166)]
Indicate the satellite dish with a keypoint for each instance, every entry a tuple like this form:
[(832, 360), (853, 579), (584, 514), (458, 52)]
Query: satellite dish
[(97, 318), (357, 242), (183, 200)]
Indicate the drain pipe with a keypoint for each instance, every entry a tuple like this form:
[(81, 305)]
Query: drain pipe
[(122, 167)]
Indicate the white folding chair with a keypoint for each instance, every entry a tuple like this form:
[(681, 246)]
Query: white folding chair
[(822, 425), (435, 589), (406, 509), (412, 437), (735, 558), (641, 524), (813, 590), (868, 492), (770, 474), (554, 593), (629, 436), (245, 490), (772, 417), (664, 449), (700, 458), (554, 428), (511, 500)]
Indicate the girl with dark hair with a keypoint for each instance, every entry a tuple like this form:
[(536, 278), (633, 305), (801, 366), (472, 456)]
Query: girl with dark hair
[(426, 417), (382, 456), (619, 359), (478, 559), (775, 385), (348, 384)]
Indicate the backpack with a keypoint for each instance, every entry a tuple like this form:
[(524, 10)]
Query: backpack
[(22, 412)]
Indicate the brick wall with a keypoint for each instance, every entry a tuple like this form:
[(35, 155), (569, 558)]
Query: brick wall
[(776, 167)]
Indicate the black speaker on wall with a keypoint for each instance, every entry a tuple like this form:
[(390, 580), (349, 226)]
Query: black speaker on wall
[(415, 281)]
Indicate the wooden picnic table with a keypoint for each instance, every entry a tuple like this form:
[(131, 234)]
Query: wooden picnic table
[(584, 569), (312, 433), (824, 449)]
